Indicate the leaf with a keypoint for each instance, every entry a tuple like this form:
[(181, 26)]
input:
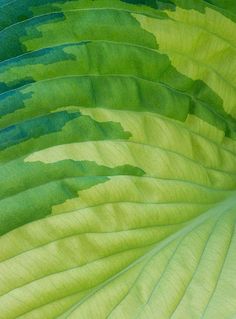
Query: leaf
[(117, 159)]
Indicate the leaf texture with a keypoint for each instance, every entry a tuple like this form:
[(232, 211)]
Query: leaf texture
[(117, 159)]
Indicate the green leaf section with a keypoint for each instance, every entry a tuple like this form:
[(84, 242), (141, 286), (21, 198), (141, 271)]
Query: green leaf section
[(117, 159), (15, 11), (73, 61)]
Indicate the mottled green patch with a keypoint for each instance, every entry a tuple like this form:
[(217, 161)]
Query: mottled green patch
[(12, 100), (45, 56), (15, 84), (19, 11), (22, 10), (42, 173), (211, 111), (95, 91), (205, 103), (12, 36), (226, 8), (173, 95), (80, 129), (13, 72), (44, 31), (82, 58), (34, 128), (37, 203), (49, 184), (89, 57)]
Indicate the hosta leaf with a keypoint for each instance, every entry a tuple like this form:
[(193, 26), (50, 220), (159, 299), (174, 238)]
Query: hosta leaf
[(117, 159)]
